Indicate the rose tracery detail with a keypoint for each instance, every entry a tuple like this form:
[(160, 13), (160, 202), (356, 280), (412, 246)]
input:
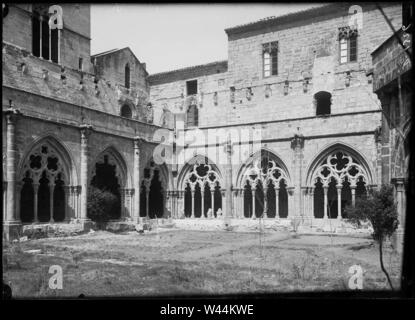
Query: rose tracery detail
[(340, 166)]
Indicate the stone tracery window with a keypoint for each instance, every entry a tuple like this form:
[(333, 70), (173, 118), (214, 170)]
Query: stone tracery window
[(337, 181), (42, 196), (265, 189), (203, 196)]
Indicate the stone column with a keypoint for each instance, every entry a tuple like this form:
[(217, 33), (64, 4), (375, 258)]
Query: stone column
[(66, 190), (253, 203), (265, 213), (138, 142), (12, 116), (4, 200), (242, 203), (290, 193), (235, 202), (19, 186), (339, 201), (51, 189), (312, 203), (147, 202), (193, 203), (212, 200), (297, 144), (353, 190), (180, 208), (35, 202), (123, 193), (224, 202), (277, 202), (85, 132), (326, 189), (228, 213), (203, 201)]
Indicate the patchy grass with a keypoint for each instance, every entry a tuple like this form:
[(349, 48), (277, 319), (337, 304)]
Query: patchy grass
[(190, 262)]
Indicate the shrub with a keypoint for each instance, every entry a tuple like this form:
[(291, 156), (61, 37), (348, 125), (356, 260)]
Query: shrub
[(101, 204), (380, 210)]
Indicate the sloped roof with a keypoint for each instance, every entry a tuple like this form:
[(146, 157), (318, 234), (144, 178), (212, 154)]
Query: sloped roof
[(188, 72)]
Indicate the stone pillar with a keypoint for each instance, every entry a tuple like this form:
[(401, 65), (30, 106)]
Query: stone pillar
[(193, 203), (203, 201), (297, 144), (353, 190), (290, 193), (277, 202), (51, 189), (242, 204), (326, 189), (235, 202), (85, 132), (4, 200), (147, 202), (138, 142), (123, 193), (180, 204), (212, 200), (11, 220), (400, 206), (312, 203), (339, 201), (228, 213), (253, 203), (66, 190), (35, 202), (224, 202), (19, 186), (265, 213)]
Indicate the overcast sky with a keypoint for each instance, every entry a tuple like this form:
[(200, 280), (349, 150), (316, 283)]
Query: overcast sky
[(173, 36)]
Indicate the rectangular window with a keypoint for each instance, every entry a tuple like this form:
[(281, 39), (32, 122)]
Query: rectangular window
[(348, 49), (80, 64), (270, 59), (191, 87)]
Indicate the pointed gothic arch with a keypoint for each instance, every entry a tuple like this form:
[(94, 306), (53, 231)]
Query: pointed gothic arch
[(45, 173), (109, 172), (336, 176), (201, 182), (264, 181)]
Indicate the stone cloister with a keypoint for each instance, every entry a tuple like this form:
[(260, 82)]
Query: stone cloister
[(49, 189)]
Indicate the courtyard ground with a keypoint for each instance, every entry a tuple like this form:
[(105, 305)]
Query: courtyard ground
[(181, 262)]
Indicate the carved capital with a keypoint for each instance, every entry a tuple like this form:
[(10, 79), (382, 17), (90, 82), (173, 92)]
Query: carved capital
[(12, 115), (86, 130)]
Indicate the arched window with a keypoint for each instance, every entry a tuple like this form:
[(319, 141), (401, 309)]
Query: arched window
[(322, 101), (127, 76), (126, 111), (44, 41)]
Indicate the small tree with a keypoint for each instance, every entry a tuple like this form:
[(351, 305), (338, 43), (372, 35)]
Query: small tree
[(380, 210), (101, 204)]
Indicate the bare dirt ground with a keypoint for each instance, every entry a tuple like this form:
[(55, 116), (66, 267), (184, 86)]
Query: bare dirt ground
[(178, 262)]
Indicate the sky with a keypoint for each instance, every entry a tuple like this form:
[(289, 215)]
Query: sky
[(172, 36)]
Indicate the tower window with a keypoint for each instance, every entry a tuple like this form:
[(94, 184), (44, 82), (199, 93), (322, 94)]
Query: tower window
[(191, 87), (126, 111), (348, 44), (127, 76), (270, 58), (80, 64), (45, 41), (322, 101)]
